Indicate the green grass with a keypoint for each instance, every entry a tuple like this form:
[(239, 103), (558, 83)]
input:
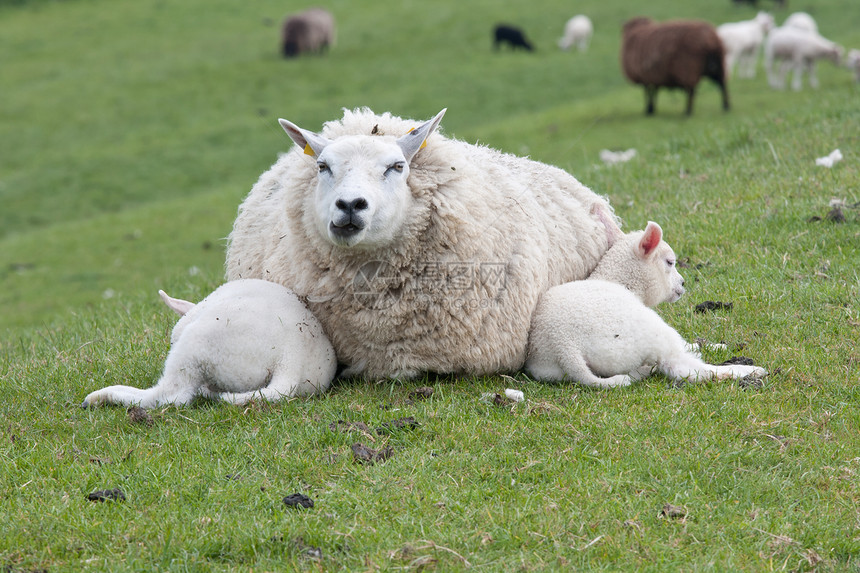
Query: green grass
[(131, 131)]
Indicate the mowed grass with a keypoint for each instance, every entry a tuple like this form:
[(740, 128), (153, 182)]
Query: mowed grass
[(130, 133)]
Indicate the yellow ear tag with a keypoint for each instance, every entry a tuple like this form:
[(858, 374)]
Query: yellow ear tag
[(309, 151), (423, 143)]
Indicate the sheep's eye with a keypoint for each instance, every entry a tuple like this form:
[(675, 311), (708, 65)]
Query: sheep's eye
[(323, 166), (398, 167), (670, 262)]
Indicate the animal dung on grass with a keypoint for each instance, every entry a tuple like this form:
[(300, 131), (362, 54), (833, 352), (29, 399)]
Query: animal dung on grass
[(672, 54), (366, 455), (670, 511), (407, 423), (298, 500), (115, 494), (712, 306)]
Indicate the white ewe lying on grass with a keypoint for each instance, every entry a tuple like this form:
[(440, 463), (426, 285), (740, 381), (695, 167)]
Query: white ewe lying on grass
[(417, 253), (577, 31), (743, 41), (248, 339), (600, 332), (797, 49)]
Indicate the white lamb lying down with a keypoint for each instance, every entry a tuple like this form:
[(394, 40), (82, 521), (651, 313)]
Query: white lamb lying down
[(248, 339), (600, 332)]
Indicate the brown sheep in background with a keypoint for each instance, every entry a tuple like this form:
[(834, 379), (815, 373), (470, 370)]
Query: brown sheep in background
[(673, 54), (308, 31)]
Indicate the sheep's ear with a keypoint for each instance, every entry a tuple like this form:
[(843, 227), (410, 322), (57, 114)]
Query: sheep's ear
[(415, 139), (177, 305), (613, 231), (310, 142), (649, 241)]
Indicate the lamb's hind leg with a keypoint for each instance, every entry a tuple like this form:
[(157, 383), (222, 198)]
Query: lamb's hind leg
[(176, 389), (281, 386), (686, 366), (575, 368)]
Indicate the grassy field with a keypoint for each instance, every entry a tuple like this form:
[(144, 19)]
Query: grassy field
[(131, 131)]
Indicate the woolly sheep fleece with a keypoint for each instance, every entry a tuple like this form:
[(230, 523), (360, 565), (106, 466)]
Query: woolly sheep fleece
[(485, 235)]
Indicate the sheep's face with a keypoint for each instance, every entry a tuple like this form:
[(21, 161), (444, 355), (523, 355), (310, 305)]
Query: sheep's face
[(362, 198)]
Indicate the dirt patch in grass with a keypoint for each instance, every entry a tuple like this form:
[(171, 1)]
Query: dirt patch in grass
[(365, 455)]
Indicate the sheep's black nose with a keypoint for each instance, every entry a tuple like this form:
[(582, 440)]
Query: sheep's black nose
[(351, 206), (683, 282)]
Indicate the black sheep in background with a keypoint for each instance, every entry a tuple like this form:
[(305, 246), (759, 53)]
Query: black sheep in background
[(507, 34)]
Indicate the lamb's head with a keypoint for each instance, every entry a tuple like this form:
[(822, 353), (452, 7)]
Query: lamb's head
[(644, 263), (362, 197), (765, 21)]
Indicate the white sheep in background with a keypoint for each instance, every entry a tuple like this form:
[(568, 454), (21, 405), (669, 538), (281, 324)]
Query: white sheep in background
[(743, 41), (853, 63), (600, 332), (417, 252), (578, 30), (798, 49), (249, 339), (801, 21)]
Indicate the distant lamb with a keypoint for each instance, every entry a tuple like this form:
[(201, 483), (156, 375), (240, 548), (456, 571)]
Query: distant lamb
[(673, 54), (577, 31), (600, 332), (249, 339), (511, 35), (793, 48), (417, 252), (743, 41), (801, 21), (311, 31)]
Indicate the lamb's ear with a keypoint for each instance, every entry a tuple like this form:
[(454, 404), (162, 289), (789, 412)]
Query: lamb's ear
[(177, 305), (415, 139), (310, 142), (649, 241)]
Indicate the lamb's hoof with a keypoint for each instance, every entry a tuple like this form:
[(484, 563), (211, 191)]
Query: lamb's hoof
[(757, 374)]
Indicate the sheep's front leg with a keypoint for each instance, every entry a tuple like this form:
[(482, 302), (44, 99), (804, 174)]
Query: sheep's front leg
[(797, 82), (650, 99)]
